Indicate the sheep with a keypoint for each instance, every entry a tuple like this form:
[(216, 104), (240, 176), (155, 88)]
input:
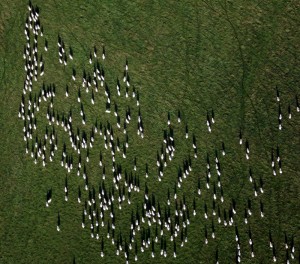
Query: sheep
[(134, 164), (215, 192), (285, 241), (252, 250), (277, 153), (91, 58), (133, 92), (214, 208), (237, 237), (83, 119), (194, 142), (41, 61), (274, 254), (205, 211), (174, 254), (277, 94), (67, 91), (241, 137), (247, 149), (199, 187), (87, 155), (70, 53), (73, 74), (127, 80), (261, 182), (206, 236), (272, 159), (107, 106), (279, 117), (212, 116), (207, 179), (208, 122), (25, 55), (223, 149), (249, 207), (65, 58), (169, 119), (95, 52), (118, 87), (66, 189), (102, 77), (147, 170), (46, 45), (83, 218), (225, 218), (103, 53), (29, 6), (58, 222), (48, 197), (292, 248), (270, 239), (93, 97), (250, 175), (79, 96), (213, 235), (255, 188), (113, 236), (289, 111), (287, 257), (178, 116), (92, 227), (280, 168), (89, 80), (126, 65), (250, 236), (238, 255), (103, 173), (165, 248), (137, 98), (59, 41), (127, 92)]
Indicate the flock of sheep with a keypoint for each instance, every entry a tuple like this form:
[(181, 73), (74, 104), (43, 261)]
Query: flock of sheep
[(156, 226)]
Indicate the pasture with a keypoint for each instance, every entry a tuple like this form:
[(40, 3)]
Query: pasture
[(220, 186)]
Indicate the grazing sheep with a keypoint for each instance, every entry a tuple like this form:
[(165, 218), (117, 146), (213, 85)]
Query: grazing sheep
[(48, 197), (212, 116), (66, 189), (247, 149), (208, 122), (102, 248), (70, 53), (103, 53), (241, 137), (186, 132), (274, 254), (213, 235), (279, 117), (58, 222), (67, 91), (91, 58)]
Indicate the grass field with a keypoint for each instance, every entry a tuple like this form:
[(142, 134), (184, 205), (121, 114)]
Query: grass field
[(192, 56)]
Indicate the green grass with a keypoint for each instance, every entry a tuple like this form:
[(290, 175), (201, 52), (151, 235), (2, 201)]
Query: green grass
[(195, 56)]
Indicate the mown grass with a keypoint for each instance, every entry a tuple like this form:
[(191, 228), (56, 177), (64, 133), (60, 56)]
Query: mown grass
[(194, 56)]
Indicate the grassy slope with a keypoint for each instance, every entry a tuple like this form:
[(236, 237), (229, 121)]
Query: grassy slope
[(192, 56)]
